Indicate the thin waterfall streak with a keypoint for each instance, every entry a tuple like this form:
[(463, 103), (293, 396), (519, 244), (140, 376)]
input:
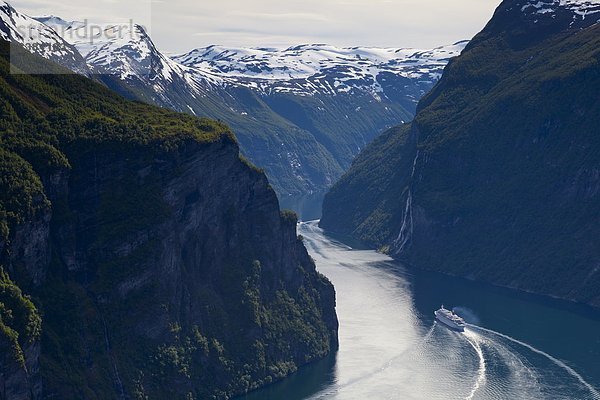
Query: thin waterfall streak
[(117, 376), (406, 230), (406, 220)]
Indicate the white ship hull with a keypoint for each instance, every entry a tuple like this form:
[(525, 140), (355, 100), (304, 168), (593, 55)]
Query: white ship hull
[(449, 323)]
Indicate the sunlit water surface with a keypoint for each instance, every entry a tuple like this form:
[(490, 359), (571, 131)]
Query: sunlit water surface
[(516, 346)]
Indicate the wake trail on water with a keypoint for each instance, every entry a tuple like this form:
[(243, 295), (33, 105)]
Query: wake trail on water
[(481, 373), (500, 366), (556, 361), (429, 333)]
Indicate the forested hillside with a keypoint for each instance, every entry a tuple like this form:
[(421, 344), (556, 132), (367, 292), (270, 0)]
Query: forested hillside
[(498, 176)]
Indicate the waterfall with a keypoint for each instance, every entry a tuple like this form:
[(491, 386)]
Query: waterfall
[(118, 383), (406, 230)]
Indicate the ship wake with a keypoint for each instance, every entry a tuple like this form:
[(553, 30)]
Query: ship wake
[(475, 342), (586, 386)]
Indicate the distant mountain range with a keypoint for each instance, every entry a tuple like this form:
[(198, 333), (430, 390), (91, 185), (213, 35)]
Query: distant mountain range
[(301, 113), (319, 69), (498, 176)]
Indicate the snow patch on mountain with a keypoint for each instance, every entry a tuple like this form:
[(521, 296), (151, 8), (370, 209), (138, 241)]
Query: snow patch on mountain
[(119, 50), (316, 68), (583, 11), (127, 52), (582, 8), (38, 38)]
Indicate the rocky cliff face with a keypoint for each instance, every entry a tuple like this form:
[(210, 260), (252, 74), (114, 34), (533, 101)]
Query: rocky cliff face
[(19, 343), (20, 381), (188, 273), (496, 179), (158, 258)]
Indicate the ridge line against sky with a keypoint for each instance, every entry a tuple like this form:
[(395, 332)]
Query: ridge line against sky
[(179, 25)]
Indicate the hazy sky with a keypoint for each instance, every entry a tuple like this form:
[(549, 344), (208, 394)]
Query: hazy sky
[(180, 25)]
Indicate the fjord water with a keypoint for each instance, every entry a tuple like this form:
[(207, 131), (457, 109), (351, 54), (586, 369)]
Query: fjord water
[(308, 206), (516, 347)]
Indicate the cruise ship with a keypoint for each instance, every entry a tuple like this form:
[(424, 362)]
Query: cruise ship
[(450, 319)]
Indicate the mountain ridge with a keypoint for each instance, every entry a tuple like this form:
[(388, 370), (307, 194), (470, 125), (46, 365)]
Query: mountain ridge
[(268, 70), (303, 132)]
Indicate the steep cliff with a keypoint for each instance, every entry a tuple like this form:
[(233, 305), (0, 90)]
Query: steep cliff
[(157, 258), (498, 176)]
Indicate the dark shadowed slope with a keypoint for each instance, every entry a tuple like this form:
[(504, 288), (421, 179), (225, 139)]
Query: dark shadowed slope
[(498, 177), (157, 260)]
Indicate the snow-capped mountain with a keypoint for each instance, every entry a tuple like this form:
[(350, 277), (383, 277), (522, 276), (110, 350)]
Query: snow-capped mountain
[(300, 113), (124, 51), (301, 70), (38, 38), (319, 68)]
